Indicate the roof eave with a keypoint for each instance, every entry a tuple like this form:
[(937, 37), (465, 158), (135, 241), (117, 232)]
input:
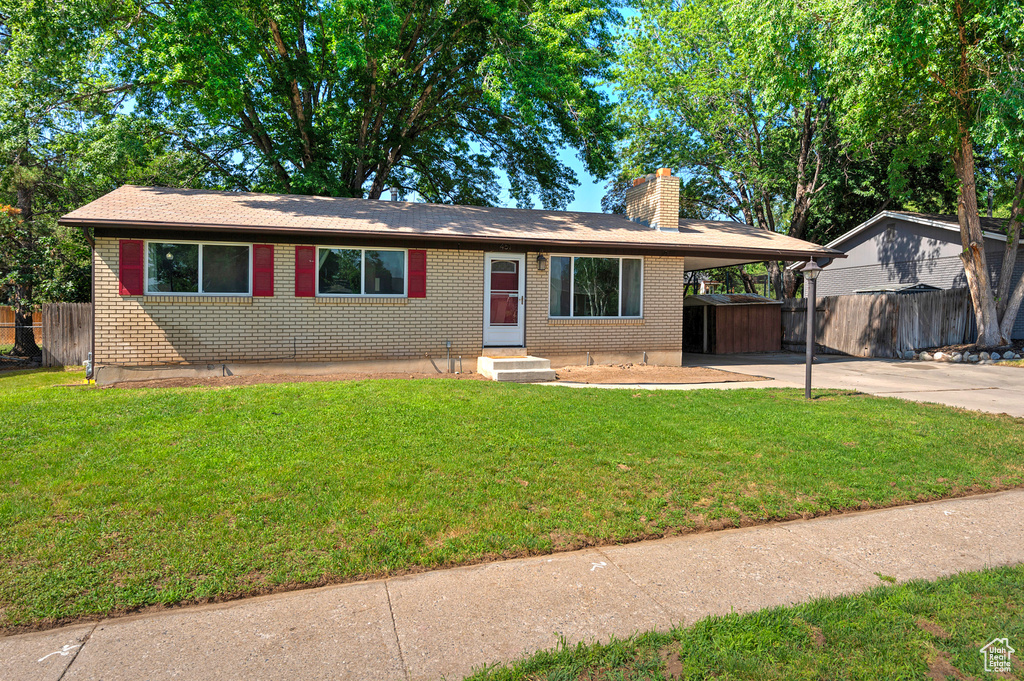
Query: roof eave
[(892, 215)]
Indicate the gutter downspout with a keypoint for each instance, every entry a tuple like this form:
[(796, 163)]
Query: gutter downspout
[(92, 302)]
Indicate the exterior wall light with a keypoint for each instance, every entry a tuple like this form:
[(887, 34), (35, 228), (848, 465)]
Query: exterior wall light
[(542, 262)]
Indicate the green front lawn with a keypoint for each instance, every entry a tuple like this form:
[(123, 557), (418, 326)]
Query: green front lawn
[(115, 499), (918, 630)]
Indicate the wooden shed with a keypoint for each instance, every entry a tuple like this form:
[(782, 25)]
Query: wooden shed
[(722, 323)]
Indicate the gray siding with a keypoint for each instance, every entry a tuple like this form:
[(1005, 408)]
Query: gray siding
[(909, 254)]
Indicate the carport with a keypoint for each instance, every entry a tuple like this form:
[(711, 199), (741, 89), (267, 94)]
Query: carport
[(722, 323)]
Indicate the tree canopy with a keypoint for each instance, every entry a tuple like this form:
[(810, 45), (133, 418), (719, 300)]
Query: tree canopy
[(947, 75), (809, 117), (354, 97)]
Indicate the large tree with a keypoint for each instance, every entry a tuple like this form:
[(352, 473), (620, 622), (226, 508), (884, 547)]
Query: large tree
[(736, 95), (947, 75), (66, 139), (51, 74), (355, 97)]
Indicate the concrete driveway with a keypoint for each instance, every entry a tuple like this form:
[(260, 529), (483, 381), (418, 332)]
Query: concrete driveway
[(991, 388)]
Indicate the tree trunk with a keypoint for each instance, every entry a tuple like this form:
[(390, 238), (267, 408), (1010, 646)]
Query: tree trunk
[(749, 285), (1010, 252), (790, 283), (1012, 307), (775, 277), (774, 271), (973, 255), (805, 188), (24, 336)]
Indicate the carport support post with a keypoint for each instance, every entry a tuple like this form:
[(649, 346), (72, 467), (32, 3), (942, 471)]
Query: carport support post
[(810, 271)]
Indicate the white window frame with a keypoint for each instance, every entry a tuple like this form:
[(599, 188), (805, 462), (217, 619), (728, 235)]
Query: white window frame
[(362, 272), (572, 284), (178, 242)]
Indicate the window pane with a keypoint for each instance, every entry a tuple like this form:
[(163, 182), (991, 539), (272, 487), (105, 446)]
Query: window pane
[(225, 269), (173, 268), (596, 287), (339, 270), (631, 287), (561, 282), (385, 273)]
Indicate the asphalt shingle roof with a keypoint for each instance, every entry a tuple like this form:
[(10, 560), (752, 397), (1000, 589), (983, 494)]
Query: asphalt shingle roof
[(161, 207)]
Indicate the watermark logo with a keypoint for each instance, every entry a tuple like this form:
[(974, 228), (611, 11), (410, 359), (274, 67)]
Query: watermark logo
[(996, 654)]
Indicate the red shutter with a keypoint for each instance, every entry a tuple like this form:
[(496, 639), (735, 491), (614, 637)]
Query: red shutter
[(262, 270), (417, 274), (305, 271), (129, 267)]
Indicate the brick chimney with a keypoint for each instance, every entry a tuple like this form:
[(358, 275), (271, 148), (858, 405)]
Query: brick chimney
[(653, 201)]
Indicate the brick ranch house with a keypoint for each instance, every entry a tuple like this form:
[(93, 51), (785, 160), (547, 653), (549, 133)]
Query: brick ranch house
[(190, 282)]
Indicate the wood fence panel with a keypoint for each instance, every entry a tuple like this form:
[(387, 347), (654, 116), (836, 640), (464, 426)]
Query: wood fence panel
[(67, 334), (880, 325), (7, 326)]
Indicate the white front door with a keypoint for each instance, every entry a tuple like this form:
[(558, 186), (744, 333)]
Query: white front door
[(504, 299)]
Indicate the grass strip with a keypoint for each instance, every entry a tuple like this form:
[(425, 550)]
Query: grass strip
[(916, 630)]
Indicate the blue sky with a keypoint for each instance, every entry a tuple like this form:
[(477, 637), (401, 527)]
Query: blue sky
[(590, 191)]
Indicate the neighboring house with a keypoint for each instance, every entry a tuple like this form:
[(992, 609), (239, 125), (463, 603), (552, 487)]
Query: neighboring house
[(894, 251), (228, 282)]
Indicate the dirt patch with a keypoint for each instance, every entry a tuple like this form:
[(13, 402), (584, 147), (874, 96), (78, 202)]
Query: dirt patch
[(610, 374), (932, 628), (673, 665), (646, 373), (12, 363), (940, 668), (258, 379), (817, 637)]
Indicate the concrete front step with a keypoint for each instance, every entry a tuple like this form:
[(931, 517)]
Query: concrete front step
[(524, 375), (516, 369)]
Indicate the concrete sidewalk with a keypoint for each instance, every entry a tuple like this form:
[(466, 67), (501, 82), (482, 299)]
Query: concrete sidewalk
[(989, 388), (443, 624)]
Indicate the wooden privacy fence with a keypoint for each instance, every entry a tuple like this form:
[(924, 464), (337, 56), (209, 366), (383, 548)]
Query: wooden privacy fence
[(881, 325), (7, 327), (63, 332), (67, 333)]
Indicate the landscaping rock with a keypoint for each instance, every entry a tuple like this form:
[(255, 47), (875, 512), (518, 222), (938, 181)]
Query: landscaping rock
[(984, 355), (972, 358), (995, 355), (926, 357), (909, 354), (939, 356), (957, 358)]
